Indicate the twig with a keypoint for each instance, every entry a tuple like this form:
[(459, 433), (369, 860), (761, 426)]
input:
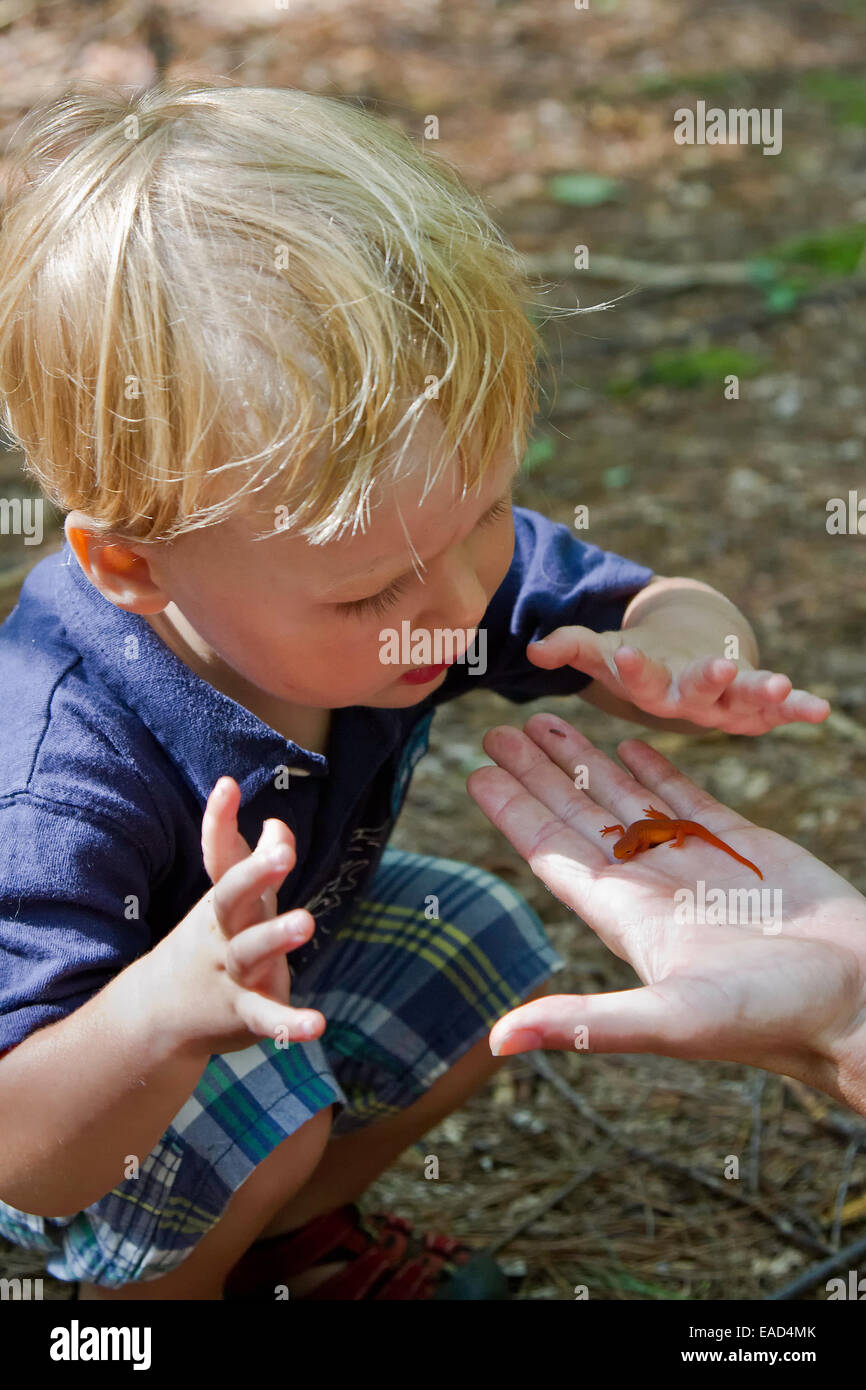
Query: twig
[(755, 1141), (542, 1208), (757, 1206), (560, 265), (581, 346), (842, 1191), (810, 1277), (819, 1109)]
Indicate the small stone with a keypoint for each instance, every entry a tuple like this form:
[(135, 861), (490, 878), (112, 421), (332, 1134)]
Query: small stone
[(526, 1121)]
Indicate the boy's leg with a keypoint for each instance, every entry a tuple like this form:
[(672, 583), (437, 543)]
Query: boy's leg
[(485, 958), (203, 1272), (338, 1172), (351, 1162)]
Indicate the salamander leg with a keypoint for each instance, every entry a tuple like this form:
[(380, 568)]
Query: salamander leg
[(609, 829)]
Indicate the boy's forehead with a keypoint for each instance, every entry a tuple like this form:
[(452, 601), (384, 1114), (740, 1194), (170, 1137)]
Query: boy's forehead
[(402, 522), (407, 517)]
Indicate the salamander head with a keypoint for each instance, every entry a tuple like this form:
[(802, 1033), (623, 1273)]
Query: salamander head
[(624, 849)]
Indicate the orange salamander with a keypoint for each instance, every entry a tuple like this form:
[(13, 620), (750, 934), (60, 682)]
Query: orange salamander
[(644, 834)]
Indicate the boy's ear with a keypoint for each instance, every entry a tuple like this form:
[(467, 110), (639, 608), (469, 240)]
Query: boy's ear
[(113, 568)]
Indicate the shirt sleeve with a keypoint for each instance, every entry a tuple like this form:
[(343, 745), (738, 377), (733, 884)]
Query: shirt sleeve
[(74, 895), (555, 580)]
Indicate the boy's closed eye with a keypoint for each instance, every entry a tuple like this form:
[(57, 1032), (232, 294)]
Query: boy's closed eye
[(385, 598)]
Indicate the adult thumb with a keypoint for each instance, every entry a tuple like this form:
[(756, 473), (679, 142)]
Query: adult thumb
[(627, 1020)]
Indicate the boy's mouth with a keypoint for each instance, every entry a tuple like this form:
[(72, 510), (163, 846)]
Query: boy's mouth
[(420, 675)]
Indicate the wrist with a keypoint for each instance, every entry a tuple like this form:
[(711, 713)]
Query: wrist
[(837, 1068), (689, 608), (147, 995), (847, 1068)]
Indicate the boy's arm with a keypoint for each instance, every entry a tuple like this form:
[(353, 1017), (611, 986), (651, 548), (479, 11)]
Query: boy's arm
[(81, 1095), (695, 611)]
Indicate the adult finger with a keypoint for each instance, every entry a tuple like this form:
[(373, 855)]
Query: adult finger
[(614, 790), (536, 832), (683, 798), (627, 1020)]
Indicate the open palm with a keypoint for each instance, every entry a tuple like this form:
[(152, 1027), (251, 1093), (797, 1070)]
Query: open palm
[(788, 995)]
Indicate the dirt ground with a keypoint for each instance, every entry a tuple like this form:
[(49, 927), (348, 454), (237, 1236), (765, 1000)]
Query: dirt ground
[(636, 426)]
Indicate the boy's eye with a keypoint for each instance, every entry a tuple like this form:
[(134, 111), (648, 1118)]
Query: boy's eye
[(502, 506), (378, 603)]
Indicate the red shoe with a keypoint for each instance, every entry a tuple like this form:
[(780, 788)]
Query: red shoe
[(376, 1248)]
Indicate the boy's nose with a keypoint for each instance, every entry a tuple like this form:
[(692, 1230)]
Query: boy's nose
[(461, 604)]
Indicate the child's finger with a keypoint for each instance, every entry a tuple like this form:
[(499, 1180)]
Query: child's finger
[(219, 828), (237, 894), (274, 834), (800, 704), (256, 947), (706, 679), (266, 1018), (759, 687), (588, 651), (798, 707), (643, 677)]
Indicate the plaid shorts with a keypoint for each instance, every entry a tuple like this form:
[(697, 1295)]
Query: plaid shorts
[(405, 995)]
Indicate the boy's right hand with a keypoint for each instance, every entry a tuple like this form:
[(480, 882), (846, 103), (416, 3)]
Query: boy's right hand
[(222, 974)]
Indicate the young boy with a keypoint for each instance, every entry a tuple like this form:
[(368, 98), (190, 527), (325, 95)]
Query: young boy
[(274, 365)]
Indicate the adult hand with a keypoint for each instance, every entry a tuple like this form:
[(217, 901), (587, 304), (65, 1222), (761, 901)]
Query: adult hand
[(790, 997)]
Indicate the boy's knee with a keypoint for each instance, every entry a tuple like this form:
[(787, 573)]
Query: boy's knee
[(312, 1136)]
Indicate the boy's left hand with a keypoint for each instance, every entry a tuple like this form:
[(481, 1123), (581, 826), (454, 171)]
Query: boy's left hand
[(643, 665)]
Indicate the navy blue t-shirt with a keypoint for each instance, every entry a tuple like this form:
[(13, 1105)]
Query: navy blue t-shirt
[(110, 747)]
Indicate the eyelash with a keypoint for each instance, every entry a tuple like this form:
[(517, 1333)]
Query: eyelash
[(379, 603)]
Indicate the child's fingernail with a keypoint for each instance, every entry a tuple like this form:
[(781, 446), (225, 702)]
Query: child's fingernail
[(279, 858)]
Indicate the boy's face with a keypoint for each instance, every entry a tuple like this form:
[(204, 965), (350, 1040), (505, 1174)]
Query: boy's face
[(276, 614)]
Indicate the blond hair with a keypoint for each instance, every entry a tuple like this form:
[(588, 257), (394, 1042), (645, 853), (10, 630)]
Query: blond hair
[(204, 280)]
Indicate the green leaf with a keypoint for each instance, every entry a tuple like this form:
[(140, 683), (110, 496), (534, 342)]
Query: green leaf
[(621, 1279), (762, 271), (845, 95), (700, 365), (540, 450), (782, 298), (724, 83), (618, 476), (689, 368), (583, 190), (836, 251)]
